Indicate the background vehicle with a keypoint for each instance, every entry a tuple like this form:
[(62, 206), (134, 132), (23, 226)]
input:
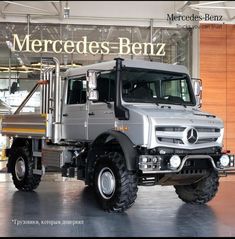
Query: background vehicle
[(117, 125)]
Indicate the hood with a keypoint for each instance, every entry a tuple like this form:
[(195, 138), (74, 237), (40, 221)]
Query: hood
[(177, 115), (171, 126)]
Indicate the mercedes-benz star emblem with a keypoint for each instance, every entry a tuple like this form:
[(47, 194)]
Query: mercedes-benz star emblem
[(192, 136)]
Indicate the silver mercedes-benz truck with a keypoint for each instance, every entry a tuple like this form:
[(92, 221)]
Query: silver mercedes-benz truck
[(118, 125)]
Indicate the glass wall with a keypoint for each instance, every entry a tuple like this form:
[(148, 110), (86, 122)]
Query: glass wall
[(19, 70)]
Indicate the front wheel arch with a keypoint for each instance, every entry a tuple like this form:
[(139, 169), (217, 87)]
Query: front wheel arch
[(125, 145)]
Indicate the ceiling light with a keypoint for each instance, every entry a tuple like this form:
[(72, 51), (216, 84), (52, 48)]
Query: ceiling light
[(9, 44), (36, 64), (20, 61), (66, 10)]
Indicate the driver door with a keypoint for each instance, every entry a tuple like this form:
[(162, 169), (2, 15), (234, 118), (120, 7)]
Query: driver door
[(75, 113), (101, 112)]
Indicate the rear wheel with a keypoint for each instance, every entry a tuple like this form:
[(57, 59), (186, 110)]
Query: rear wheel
[(115, 186), (200, 192), (22, 169)]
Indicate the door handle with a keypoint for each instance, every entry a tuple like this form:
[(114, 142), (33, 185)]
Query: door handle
[(91, 113), (108, 112), (65, 115)]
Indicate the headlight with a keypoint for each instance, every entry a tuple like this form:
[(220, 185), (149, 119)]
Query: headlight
[(224, 160), (175, 161)]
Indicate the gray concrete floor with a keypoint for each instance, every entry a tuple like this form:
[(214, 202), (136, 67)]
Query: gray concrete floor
[(67, 208)]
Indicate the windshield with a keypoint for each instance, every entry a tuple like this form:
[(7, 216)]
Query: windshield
[(144, 86)]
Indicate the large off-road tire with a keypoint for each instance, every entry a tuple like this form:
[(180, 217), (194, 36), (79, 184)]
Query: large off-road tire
[(22, 169), (115, 186), (200, 192)]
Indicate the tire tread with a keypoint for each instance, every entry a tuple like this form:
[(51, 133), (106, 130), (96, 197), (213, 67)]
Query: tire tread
[(205, 190), (126, 192), (31, 181)]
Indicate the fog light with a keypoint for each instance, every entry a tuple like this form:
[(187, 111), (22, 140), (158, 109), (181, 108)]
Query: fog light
[(224, 160), (144, 160), (175, 161)]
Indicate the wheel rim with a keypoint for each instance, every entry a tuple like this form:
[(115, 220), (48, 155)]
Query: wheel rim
[(20, 168), (106, 183)]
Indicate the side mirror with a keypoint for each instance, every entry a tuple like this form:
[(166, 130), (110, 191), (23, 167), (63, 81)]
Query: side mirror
[(197, 88), (91, 79), (93, 95)]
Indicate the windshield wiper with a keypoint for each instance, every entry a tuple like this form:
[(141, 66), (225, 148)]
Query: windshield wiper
[(109, 105), (162, 101), (156, 102), (176, 103)]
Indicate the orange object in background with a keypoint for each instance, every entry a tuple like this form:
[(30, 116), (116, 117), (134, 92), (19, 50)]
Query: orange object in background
[(217, 71)]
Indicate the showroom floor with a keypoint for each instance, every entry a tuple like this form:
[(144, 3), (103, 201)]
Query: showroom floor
[(67, 208)]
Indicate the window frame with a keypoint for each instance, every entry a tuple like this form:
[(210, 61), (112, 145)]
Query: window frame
[(187, 78), (78, 77), (109, 88)]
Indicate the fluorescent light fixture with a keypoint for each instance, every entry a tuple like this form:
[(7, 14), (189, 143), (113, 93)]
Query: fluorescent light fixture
[(66, 10), (20, 60), (9, 45), (180, 10)]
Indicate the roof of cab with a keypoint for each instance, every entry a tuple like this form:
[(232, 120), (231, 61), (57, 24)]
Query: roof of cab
[(109, 65)]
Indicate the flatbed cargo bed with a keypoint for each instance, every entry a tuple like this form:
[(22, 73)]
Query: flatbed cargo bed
[(26, 125)]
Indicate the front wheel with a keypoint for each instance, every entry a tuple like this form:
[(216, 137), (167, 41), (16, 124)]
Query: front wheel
[(200, 192), (115, 186), (22, 169)]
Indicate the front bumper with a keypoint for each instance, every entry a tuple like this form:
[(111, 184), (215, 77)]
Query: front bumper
[(156, 164)]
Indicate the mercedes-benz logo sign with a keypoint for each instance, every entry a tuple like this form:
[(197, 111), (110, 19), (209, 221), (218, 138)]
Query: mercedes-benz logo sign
[(192, 136)]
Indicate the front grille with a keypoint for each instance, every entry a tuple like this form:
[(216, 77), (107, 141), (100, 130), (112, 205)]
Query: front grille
[(206, 129), (170, 129), (173, 141), (170, 134), (177, 135), (208, 140)]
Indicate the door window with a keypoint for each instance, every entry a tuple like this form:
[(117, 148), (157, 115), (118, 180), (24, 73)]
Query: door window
[(77, 91), (106, 87)]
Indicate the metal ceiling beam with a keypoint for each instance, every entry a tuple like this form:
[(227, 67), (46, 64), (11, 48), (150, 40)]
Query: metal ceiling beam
[(213, 7), (227, 12), (5, 6), (17, 14), (57, 10), (61, 11), (27, 6), (207, 3), (3, 9), (185, 5)]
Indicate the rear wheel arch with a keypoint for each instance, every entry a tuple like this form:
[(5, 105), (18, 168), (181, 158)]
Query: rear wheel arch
[(22, 169), (20, 142), (17, 142)]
